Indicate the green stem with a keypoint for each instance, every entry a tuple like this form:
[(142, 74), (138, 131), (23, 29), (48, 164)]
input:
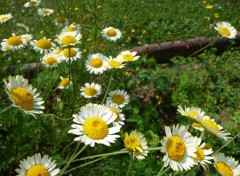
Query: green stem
[(162, 171), (71, 159), (5, 109), (109, 83), (205, 47), (130, 164)]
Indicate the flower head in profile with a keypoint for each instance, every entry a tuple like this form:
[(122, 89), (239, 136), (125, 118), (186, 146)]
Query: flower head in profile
[(118, 97), (65, 83), (32, 3), (43, 45), (5, 17), (71, 54), (93, 125), (179, 148), (111, 33), (136, 143), (128, 56), (225, 29), (120, 117), (211, 126), (45, 12), (226, 165), (26, 37), (69, 38), (14, 42), (72, 28), (37, 165), (23, 95), (96, 63), (203, 154), (51, 60), (115, 63), (91, 90)]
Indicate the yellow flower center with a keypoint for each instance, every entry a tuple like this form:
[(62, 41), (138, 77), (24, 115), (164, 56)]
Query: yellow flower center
[(224, 169), (118, 99), (58, 51), (114, 63), (128, 57), (197, 125), (69, 52), (46, 12), (71, 29), (61, 19), (115, 111), (38, 170), (224, 31), (211, 124), (96, 62), (132, 142), (95, 128), (65, 82), (44, 44), (14, 40), (111, 33), (32, 3), (176, 148), (23, 98), (51, 61), (68, 39), (90, 91), (200, 154)]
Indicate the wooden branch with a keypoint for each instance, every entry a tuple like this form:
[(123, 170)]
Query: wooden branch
[(164, 51)]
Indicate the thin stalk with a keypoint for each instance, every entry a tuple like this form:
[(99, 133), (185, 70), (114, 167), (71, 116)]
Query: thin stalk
[(130, 165), (109, 83), (5, 109), (162, 171)]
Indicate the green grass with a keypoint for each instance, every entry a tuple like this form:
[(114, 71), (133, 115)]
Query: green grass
[(208, 81)]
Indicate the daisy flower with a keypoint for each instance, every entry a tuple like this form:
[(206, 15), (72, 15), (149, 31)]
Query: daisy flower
[(128, 56), (136, 144), (5, 17), (26, 37), (114, 63), (15, 42), (43, 45), (226, 165), (111, 33), (72, 28), (226, 29), (65, 83), (45, 12), (68, 38), (92, 125), (202, 153), (91, 90), (120, 116), (211, 126), (32, 3), (37, 165), (191, 113), (118, 97), (23, 95), (179, 148), (71, 53), (58, 51), (51, 60), (6, 47), (197, 126), (61, 21), (96, 63)]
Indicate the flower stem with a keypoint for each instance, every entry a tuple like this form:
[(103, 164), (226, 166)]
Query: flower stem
[(162, 171), (109, 83), (6, 109), (130, 164)]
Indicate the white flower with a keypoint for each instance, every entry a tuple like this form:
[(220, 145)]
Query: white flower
[(32, 3), (179, 148), (23, 95), (114, 63), (226, 30), (37, 165), (120, 118), (91, 90), (68, 38), (43, 45), (128, 56), (45, 12), (111, 33), (92, 125), (96, 63), (71, 54), (191, 113), (118, 97), (51, 60), (65, 83), (14, 42), (5, 17)]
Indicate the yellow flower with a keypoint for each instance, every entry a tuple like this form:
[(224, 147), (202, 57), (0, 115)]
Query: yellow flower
[(209, 6)]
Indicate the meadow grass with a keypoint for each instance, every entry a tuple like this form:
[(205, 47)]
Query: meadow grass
[(208, 81)]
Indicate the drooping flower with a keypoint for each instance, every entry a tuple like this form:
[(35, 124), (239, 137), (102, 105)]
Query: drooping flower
[(23, 95), (226, 166), (43, 45), (128, 56), (136, 143), (91, 90), (118, 97), (45, 12), (111, 33), (92, 125), (65, 83), (37, 165), (32, 3), (96, 63), (179, 148), (225, 29), (5, 17)]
